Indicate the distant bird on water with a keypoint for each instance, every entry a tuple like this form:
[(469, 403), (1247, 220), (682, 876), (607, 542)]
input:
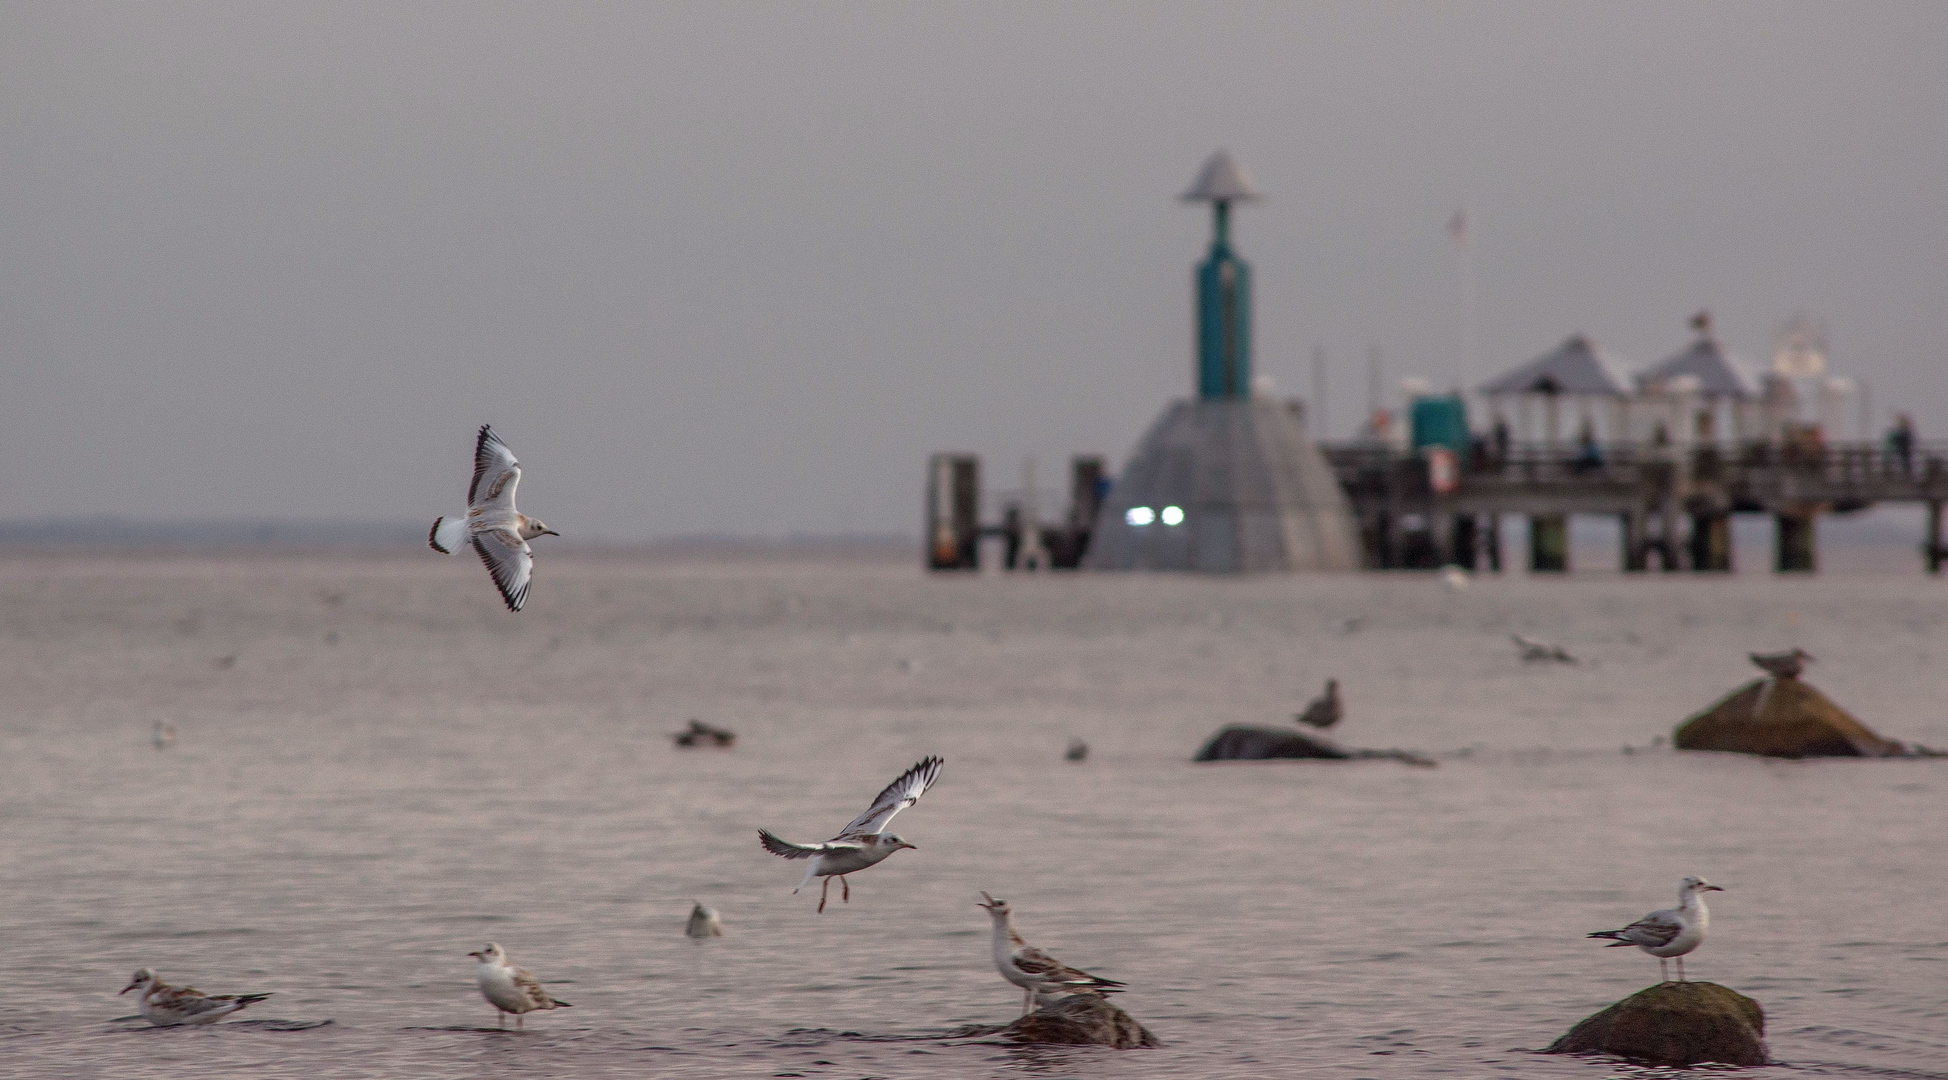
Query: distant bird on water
[(169, 1006), (1537, 651), (497, 531), (1784, 665), (510, 989), (163, 735), (1671, 932), (1325, 710), (702, 734), (864, 841), (1035, 971), (1077, 751), (703, 923)]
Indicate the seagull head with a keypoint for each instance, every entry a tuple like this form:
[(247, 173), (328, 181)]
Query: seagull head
[(491, 953), (1699, 885), (997, 908), (891, 842), (533, 527), (142, 978)]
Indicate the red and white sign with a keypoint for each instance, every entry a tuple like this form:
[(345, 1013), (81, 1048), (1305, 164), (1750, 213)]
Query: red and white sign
[(1443, 470)]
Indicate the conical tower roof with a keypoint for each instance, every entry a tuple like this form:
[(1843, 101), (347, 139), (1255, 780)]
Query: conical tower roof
[(1222, 180), (1719, 373), (1577, 366)]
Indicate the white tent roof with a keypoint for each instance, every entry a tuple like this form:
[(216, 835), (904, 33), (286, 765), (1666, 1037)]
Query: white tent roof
[(1719, 374), (1577, 366), (1222, 179)]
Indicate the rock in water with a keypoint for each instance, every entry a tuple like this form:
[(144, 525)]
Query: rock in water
[(1081, 1020), (1240, 742), (1782, 718), (1674, 1024)]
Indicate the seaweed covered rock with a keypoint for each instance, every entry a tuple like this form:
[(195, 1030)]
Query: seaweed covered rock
[(1782, 718), (1241, 742), (1081, 1020), (1674, 1024)]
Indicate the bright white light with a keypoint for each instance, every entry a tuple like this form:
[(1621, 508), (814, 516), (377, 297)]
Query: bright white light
[(1173, 515), (1140, 516)]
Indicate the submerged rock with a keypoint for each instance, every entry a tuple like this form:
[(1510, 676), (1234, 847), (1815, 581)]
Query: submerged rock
[(1782, 718), (1243, 742), (1674, 1024), (1081, 1020)]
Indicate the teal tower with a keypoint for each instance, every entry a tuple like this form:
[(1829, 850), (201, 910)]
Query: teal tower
[(1223, 285)]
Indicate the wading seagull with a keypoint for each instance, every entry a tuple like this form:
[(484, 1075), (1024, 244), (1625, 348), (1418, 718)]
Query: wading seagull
[(1325, 709), (167, 1006), (861, 843), (496, 530), (1035, 971), (1671, 932), (510, 989)]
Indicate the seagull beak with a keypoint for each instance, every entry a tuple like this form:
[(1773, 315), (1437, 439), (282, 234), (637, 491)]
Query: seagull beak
[(914, 847), (1712, 888), (126, 989), (549, 532)]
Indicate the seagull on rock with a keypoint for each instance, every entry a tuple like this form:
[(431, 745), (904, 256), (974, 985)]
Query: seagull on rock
[(1035, 971), (1785, 665), (1325, 710), (510, 989), (862, 843), (496, 530), (1671, 932), (168, 1006)]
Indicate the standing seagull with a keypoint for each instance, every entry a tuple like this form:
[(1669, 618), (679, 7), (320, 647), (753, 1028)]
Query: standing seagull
[(510, 989), (167, 1006), (863, 842), (1325, 709), (1671, 932), (1035, 971), (1784, 665), (497, 531)]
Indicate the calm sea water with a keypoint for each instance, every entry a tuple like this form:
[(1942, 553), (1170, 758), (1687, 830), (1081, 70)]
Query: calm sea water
[(393, 770)]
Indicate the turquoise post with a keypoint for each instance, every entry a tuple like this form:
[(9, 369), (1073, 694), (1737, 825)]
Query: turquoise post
[(1223, 314)]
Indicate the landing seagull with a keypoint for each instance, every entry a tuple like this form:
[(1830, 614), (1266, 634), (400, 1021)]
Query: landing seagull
[(1671, 932), (1325, 710), (1035, 971), (168, 1006), (510, 989), (861, 843), (496, 530)]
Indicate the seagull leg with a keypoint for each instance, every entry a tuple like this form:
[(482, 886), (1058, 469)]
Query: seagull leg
[(845, 889), (1664, 969), (500, 1020), (1680, 970), (520, 1020), (823, 892), (1028, 1002)]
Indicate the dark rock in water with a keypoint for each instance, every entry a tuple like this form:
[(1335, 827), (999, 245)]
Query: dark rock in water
[(1239, 742), (1242, 742), (1782, 718), (1081, 1020), (1674, 1024)]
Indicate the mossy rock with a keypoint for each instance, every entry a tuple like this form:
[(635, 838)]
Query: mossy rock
[(1674, 1024), (1782, 718), (1081, 1020)]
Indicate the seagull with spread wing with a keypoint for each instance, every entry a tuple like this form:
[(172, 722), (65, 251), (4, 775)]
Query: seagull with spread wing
[(1035, 971), (862, 843), (1672, 931), (496, 530)]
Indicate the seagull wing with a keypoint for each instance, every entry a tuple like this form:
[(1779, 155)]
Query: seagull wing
[(510, 562), (188, 1002), (898, 795), (1655, 929), (495, 472), (1035, 962), (777, 845), (448, 534), (530, 987)]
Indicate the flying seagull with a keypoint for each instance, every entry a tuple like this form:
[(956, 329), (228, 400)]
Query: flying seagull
[(1325, 710), (496, 530), (1671, 932), (510, 989), (863, 842), (1035, 971), (167, 1006)]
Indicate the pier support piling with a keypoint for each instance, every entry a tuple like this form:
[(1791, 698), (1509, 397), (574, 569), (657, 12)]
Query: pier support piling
[(1636, 552), (1711, 542), (1933, 554), (1798, 548), (1548, 543), (1495, 543)]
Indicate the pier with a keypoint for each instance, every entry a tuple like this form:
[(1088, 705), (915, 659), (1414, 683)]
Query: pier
[(1674, 504)]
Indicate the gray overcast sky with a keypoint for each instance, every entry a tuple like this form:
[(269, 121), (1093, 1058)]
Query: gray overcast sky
[(741, 267)]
